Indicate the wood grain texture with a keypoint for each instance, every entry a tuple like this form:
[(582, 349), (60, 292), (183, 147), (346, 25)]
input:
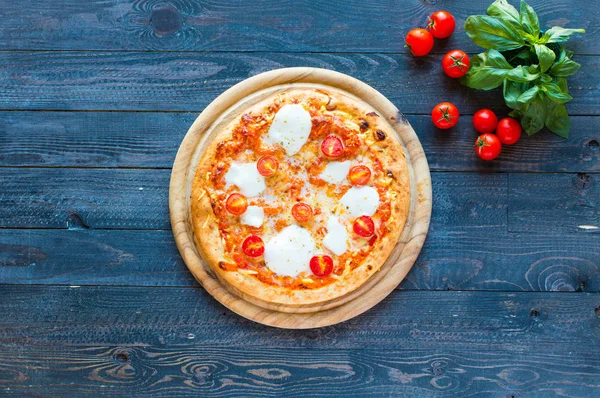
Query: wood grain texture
[(183, 81), (574, 200), (291, 26), (123, 340), (150, 140), (84, 198), (459, 260)]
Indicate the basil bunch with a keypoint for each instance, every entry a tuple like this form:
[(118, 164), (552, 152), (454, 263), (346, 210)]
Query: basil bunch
[(530, 65)]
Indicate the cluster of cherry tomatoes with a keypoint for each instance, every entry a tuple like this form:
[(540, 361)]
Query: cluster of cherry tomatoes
[(456, 64)]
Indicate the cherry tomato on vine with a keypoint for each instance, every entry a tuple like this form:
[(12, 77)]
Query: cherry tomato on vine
[(267, 165), (441, 24), (488, 146), (302, 212), (456, 63), (236, 204), (253, 246), (419, 42), (485, 121), (321, 265), (508, 130), (444, 115)]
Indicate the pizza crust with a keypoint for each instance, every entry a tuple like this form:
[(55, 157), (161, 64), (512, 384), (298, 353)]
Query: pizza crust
[(206, 229)]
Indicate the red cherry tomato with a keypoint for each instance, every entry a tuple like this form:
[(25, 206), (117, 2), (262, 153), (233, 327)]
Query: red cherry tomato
[(508, 130), (441, 24), (332, 146), (419, 42), (359, 175), (485, 121), (488, 146), (236, 204), (321, 265), (456, 63), (444, 115), (267, 165), (253, 246), (364, 226), (302, 212)]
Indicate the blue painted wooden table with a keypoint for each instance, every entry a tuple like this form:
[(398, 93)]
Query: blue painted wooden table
[(95, 97)]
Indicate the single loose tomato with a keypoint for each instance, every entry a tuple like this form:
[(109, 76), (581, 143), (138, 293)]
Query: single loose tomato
[(321, 265), (444, 115), (508, 130), (267, 165), (441, 24), (485, 121), (359, 175), (302, 212), (488, 146), (332, 146), (253, 246), (236, 204), (419, 42), (364, 226), (456, 63)]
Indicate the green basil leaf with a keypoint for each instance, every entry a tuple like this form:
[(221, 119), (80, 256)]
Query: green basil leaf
[(554, 92), (561, 82), (545, 78), (533, 119), (487, 71), (494, 33), (515, 113), (564, 66), (529, 21), (523, 74), (557, 118), (557, 34), (512, 91), (528, 95), (545, 56), (502, 9)]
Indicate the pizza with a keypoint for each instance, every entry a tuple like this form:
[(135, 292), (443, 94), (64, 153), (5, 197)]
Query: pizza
[(301, 198)]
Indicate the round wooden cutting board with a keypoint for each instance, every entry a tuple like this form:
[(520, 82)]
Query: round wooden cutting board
[(229, 105)]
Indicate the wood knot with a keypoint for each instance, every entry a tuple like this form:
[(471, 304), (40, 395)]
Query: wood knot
[(122, 356), (534, 313), (597, 310), (75, 222), (165, 21), (583, 181), (593, 145)]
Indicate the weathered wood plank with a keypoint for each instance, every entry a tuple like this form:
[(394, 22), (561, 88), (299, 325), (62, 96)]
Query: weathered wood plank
[(124, 139), (183, 81), (132, 199), (449, 260), (167, 341), (323, 26), (269, 372), (555, 203)]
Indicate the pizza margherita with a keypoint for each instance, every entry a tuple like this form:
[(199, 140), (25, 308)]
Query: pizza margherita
[(301, 198)]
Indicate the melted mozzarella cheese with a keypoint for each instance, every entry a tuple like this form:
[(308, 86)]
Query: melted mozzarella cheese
[(361, 201), (288, 253), (246, 177), (290, 128), (336, 239), (335, 172), (253, 216)]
